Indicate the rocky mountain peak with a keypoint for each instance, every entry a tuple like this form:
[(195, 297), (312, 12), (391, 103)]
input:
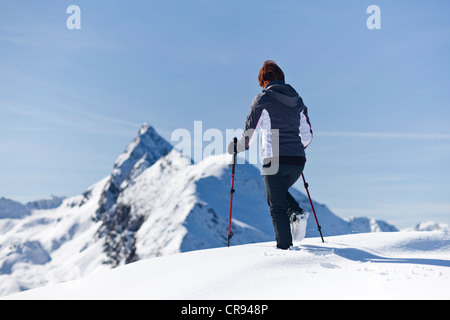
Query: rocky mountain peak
[(141, 153)]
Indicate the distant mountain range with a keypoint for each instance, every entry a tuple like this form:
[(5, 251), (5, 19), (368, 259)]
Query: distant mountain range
[(10, 209), (155, 202)]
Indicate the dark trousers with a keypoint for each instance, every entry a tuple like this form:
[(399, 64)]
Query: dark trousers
[(280, 200)]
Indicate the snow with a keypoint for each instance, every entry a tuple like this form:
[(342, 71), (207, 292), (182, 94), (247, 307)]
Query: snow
[(51, 245), (395, 265)]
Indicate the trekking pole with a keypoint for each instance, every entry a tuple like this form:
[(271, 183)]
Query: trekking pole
[(312, 207), (233, 167)]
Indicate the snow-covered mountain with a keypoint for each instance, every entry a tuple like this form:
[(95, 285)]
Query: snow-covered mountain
[(15, 210), (156, 202), (430, 226)]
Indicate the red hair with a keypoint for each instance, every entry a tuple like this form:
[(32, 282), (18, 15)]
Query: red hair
[(270, 71)]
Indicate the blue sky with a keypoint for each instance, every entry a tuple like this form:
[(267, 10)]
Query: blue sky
[(71, 100)]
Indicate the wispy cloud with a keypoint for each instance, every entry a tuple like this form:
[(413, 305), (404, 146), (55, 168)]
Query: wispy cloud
[(25, 129), (60, 114), (97, 116), (385, 135)]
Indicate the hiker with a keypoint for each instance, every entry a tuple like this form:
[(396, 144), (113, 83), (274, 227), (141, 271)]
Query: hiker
[(279, 115)]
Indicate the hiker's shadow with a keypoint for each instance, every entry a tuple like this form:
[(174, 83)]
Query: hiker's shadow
[(366, 256)]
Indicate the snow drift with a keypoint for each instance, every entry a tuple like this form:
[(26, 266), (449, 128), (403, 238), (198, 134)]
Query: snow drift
[(400, 265)]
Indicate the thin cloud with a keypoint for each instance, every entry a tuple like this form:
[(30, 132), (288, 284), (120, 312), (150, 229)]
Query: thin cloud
[(26, 129), (385, 135)]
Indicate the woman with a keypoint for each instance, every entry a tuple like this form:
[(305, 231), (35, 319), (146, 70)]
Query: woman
[(279, 115)]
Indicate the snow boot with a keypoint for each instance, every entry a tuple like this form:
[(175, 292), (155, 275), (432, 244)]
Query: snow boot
[(298, 220)]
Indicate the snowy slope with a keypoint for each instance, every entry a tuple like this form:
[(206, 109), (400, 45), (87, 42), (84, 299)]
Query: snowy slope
[(398, 265), (156, 202), (51, 245)]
